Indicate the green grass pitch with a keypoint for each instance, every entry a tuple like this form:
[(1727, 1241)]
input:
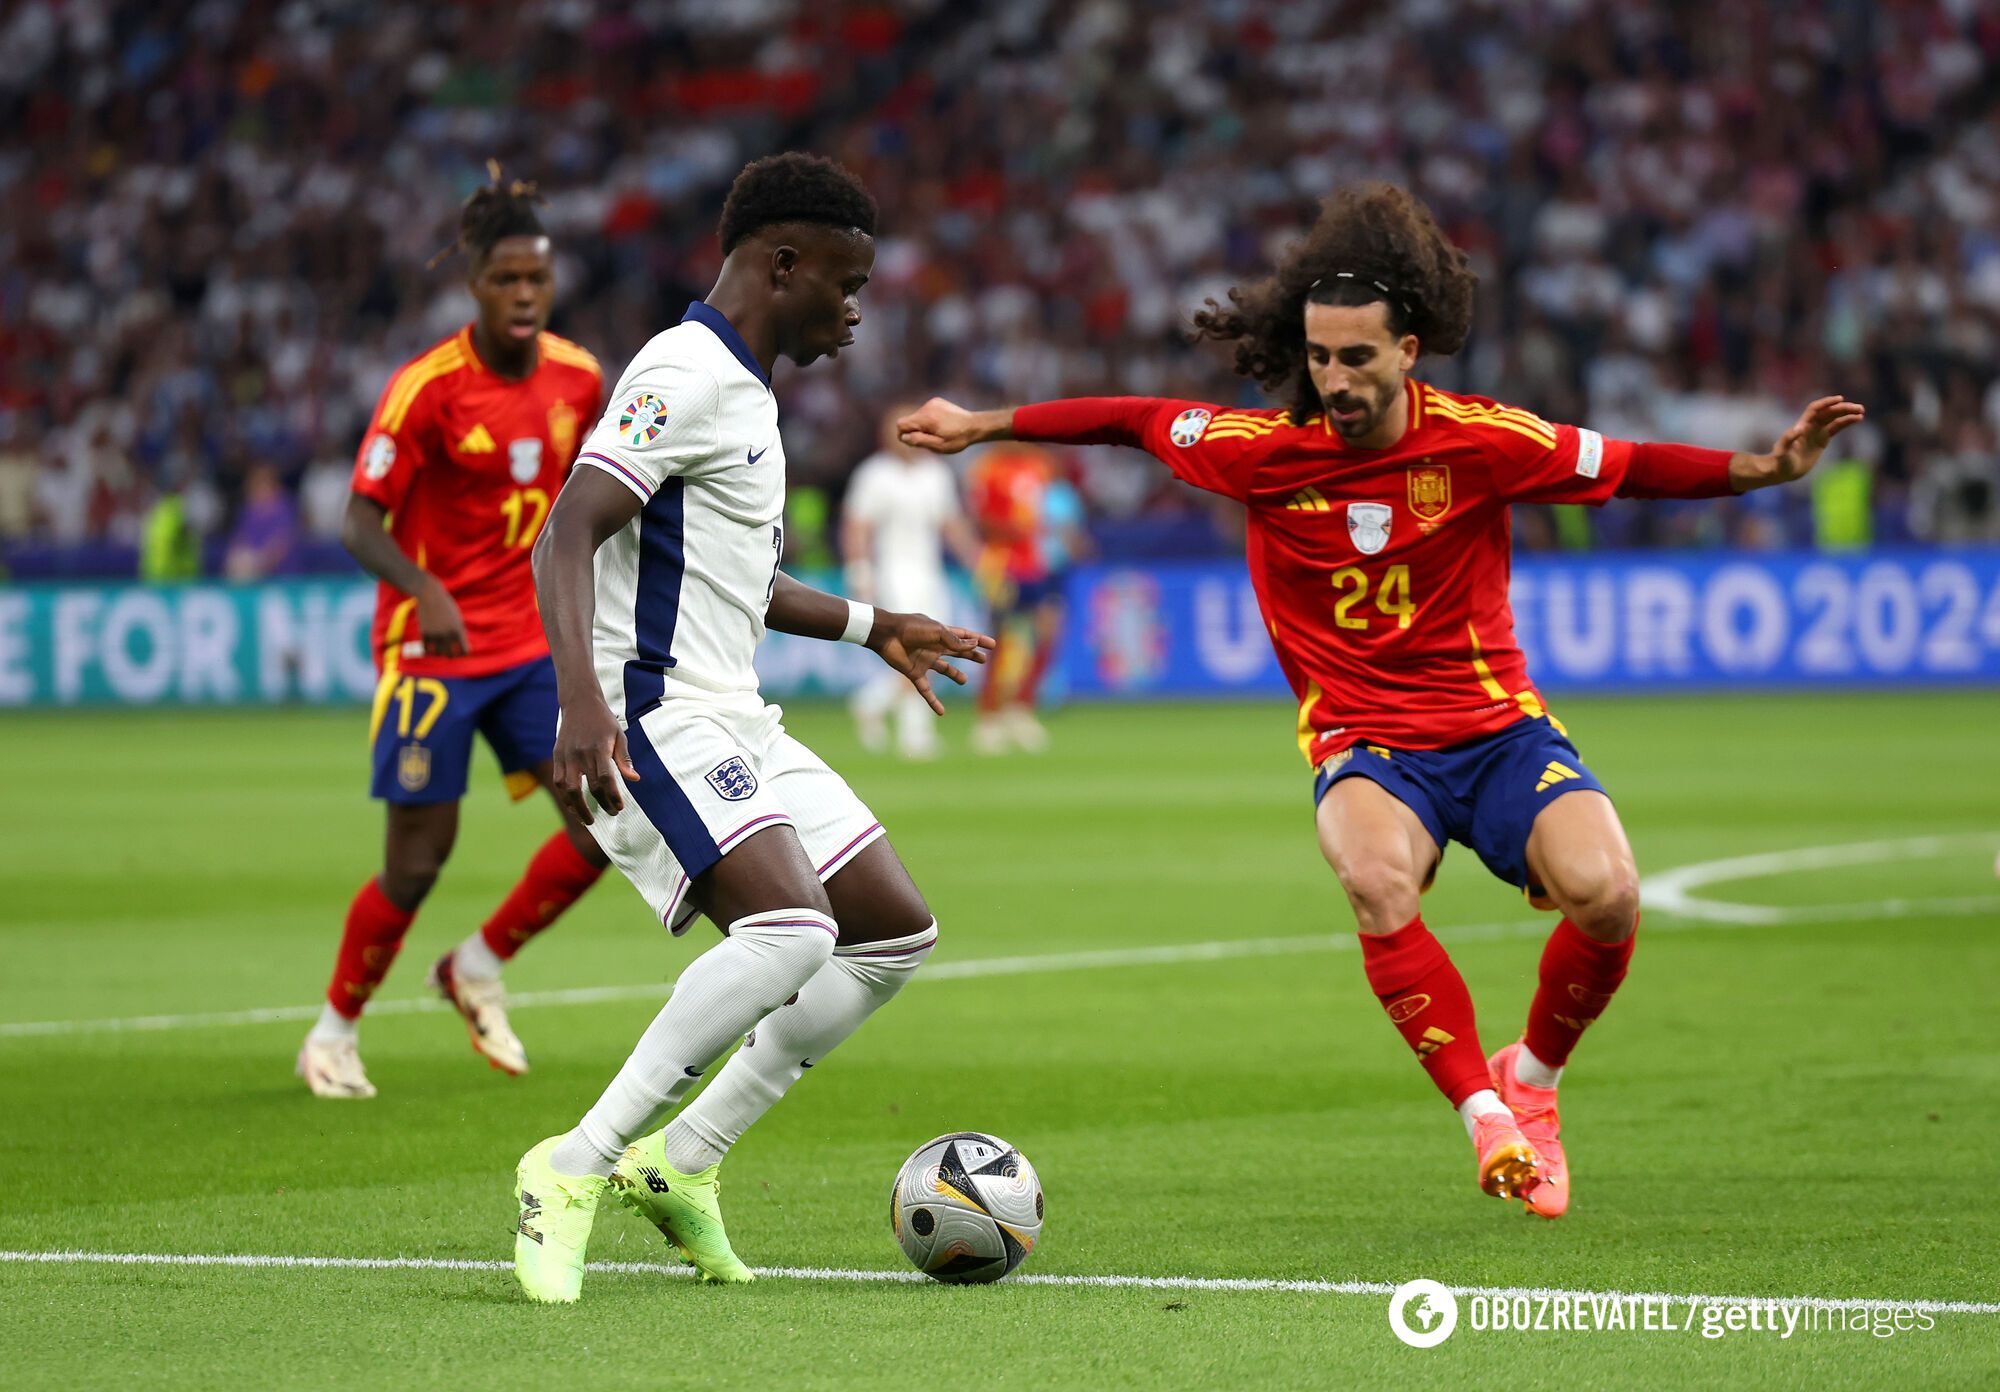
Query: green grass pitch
[(1804, 1106)]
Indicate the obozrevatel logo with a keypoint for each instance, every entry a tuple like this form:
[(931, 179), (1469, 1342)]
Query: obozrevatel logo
[(1423, 1313)]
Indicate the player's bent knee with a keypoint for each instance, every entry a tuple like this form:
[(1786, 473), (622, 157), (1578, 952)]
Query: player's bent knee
[(895, 922), (893, 960), (792, 943), (1605, 905), (1383, 897), (410, 875)]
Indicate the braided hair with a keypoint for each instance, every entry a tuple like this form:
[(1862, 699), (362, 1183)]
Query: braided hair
[(1372, 242), (496, 210)]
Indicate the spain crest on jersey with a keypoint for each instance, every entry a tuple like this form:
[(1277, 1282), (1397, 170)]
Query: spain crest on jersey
[(1430, 491), (562, 429), (732, 779), (1368, 525)]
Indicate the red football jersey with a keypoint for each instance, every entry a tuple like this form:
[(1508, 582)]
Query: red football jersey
[(1382, 574), (1008, 485), (468, 464)]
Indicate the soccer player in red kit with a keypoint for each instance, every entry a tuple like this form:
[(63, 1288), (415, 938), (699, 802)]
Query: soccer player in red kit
[(466, 452), (1009, 489), (1378, 544)]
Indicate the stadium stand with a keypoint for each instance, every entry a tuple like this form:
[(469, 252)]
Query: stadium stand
[(217, 218)]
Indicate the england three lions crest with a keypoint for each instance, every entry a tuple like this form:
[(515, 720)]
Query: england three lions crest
[(732, 779), (1368, 524)]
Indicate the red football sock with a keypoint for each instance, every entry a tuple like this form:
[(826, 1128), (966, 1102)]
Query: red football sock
[(555, 878), (1038, 667), (1426, 998), (1579, 975), (989, 690), (368, 945)]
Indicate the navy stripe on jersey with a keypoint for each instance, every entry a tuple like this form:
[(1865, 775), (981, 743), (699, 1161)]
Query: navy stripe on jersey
[(656, 600), (667, 807), (718, 324)]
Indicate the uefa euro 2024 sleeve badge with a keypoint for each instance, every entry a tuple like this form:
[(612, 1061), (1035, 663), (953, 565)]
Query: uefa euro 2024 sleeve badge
[(1188, 426), (642, 419), (1368, 525)]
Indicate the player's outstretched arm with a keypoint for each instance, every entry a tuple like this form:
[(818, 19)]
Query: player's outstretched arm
[(945, 427), (1174, 432), (438, 620), (1688, 471), (590, 748), (1799, 448), (916, 645)]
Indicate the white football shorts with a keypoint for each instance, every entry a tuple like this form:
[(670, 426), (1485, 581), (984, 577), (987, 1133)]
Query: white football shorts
[(714, 770), (916, 589)]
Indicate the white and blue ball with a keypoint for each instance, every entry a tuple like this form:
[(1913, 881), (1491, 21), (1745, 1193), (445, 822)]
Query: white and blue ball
[(967, 1208)]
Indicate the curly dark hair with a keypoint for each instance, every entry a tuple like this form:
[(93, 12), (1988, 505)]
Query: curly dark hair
[(500, 208), (794, 187), (1372, 242)]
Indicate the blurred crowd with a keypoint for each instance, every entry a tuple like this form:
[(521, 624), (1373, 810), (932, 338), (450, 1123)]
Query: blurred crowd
[(1688, 219)]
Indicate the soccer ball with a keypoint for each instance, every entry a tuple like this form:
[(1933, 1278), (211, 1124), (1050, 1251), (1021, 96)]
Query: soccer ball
[(967, 1207)]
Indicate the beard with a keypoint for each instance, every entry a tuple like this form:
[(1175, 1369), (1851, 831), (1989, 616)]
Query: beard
[(1372, 411)]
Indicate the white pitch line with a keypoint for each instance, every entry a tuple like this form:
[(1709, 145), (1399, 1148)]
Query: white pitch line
[(1671, 891), (1223, 1284), (1164, 954), (1665, 893)]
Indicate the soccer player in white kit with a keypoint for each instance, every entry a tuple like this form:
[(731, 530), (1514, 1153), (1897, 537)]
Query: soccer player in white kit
[(899, 517), (657, 575)]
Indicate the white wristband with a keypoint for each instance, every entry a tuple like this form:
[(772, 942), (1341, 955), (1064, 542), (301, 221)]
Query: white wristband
[(860, 622)]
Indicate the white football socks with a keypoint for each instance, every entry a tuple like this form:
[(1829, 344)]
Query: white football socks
[(858, 981), (473, 960), (874, 700), (1480, 1104), (1534, 1072), (765, 959), (333, 1025)]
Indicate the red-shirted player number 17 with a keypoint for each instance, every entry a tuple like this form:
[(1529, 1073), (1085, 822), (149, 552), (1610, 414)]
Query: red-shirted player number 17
[(525, 511), (1392, 597)]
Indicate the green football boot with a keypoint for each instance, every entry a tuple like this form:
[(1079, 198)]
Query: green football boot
[(685, 1208), (556, 1213)]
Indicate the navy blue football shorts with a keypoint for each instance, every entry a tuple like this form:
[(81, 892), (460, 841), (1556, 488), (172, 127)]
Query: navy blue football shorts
[(1485, 793), (422, 731)]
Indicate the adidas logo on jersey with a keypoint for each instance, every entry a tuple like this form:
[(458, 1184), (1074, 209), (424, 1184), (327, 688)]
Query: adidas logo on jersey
[(1308, 500), (477, 441)]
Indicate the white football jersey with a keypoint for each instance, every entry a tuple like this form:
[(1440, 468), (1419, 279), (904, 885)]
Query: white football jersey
[(692, 429), (906, 504)]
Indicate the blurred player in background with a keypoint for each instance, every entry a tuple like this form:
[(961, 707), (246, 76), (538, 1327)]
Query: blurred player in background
[(467, 449), (659, 575), (1010, 493), (1066, 544), (1378, 545), (901, 515)]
